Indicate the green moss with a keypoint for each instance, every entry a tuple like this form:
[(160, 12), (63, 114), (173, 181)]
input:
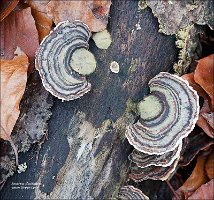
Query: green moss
[(187, 41), (131, 106), (123, 173), (135, 62)]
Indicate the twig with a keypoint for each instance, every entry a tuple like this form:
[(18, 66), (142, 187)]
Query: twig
[(172, 189)]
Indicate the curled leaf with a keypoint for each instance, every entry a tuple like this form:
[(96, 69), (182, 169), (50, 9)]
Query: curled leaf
[(190, 78), (196, 143), (6, 8), (18, 29), (13, 82), (205, 120), (205, 192), (202, 80), (43, 22), (204, 76), (209, 167), (92, 13), (196, 179)]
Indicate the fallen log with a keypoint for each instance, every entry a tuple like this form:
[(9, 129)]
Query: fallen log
[(86, 154)]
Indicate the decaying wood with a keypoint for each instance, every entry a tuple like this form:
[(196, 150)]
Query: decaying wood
[(86, 154)]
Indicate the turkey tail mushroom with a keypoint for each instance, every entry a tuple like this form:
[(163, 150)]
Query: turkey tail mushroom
[(167, 115), (152, 172), (143, 160), (63, 59), (130, 192)]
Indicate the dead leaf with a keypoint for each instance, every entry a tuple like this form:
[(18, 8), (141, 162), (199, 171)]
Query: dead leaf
[(43, 22), (38, 5), (202, 80), (92, 13), (209, 167), (196, 179), (6, 8), (204, 76), (197, 141), (205, 192), (204, 122), (18, 29), (209, 116), (190, 78), (13, 83)]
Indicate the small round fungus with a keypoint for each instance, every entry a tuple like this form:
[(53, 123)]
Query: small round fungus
[(83, 61), (130, 192), (56, 60), (167, 115), (150, 107), (114, 67), (102, 39)]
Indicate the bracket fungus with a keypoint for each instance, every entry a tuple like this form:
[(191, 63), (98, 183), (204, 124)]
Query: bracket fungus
[(152, 172), (143, 160), (167, 115), (130, 192), (63, 59)]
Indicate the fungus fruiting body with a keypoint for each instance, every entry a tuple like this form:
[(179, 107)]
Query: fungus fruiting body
[(56, 55), (130, 192), (83, 61), (114, 67), (152, 172), (143, 160), (167, 115), (102, 39)]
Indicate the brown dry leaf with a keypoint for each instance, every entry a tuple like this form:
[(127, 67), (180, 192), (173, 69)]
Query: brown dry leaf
[(196, 179), (206, 123), (209, 116), (205, 192), (190, 78), (209, 167), (197, 141), (7, 7), (18, 29), (92, 13), (204, 76), (43, 22), (13, 82)]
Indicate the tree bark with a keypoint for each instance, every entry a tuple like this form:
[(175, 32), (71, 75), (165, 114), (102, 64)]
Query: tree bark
[(86, 154)]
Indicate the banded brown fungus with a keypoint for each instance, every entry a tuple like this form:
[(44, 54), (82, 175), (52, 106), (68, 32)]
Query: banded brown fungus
[(143, 160), (152, 172), (167, 115), (130, 192), (63, 59)]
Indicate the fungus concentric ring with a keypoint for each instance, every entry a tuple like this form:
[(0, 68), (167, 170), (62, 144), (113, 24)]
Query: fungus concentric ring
[(143, 160), (168, 114), (53, 60), (130, 192), (152, 172)]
